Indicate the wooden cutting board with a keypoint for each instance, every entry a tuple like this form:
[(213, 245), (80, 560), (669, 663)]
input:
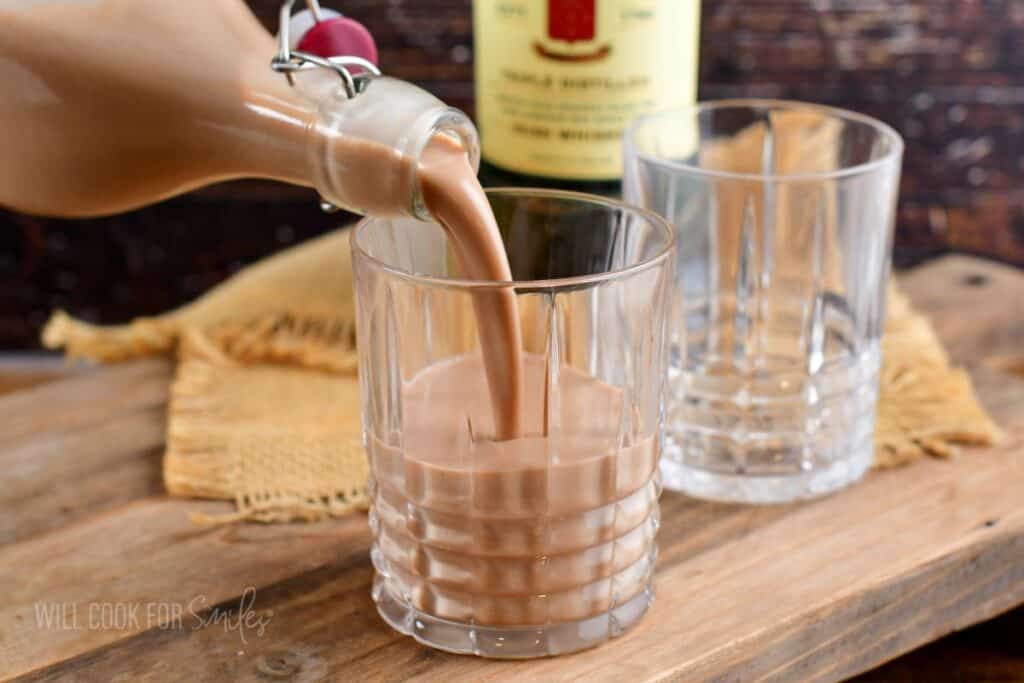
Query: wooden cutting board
[(103, 577)]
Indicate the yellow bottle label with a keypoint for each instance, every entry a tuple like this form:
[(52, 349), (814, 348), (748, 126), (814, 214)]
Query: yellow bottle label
[(557, 81)]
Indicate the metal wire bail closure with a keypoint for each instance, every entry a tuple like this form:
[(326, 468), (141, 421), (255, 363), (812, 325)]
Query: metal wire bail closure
[(288, 61)]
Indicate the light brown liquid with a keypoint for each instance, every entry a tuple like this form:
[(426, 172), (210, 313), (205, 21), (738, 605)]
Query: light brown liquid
[(453, 195), (527, 531)]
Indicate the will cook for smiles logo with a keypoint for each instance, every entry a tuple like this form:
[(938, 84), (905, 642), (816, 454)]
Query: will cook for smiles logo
[(240, 616)]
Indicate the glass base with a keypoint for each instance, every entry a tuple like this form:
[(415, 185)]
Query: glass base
[(784, 488), (520, 642)]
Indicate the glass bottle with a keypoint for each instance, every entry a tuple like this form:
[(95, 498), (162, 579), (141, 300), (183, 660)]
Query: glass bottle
[(557, 81), (113, 104)]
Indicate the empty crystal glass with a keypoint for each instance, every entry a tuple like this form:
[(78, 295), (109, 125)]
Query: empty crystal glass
[(783, 215), (541, 544)]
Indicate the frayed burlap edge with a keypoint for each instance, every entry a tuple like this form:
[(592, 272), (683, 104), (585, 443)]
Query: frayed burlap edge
[(320, 342), (311, 339), (926, 407), (294, 307), (214, 444), (109, 344)]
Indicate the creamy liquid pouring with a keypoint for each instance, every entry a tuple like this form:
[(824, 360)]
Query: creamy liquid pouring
[(453, 195)]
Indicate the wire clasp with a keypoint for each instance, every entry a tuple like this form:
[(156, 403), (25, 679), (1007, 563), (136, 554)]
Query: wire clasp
[(288, 61)]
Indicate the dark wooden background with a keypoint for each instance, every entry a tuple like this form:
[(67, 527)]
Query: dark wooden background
[(948, 74)]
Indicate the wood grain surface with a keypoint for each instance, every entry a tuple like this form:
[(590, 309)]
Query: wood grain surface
[(817, 591), (24, 370)]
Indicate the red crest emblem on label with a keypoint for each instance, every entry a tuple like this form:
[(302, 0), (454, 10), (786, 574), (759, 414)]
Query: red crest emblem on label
[(572, 20)]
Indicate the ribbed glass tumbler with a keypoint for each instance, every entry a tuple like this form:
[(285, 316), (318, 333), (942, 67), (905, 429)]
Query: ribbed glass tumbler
[(783, 215), (543, 543)]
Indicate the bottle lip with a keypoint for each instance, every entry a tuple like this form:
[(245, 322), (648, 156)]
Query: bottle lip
[(454, 123)]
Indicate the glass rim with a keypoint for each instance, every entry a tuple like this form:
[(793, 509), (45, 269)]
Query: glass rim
[(886, 131), (663, 254)]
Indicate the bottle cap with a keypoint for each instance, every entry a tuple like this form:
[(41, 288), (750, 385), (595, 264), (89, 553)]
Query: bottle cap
[(332, 36), (302, 21)]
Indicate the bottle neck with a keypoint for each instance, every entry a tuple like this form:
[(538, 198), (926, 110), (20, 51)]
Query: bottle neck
[(366, 151), (362, 154)]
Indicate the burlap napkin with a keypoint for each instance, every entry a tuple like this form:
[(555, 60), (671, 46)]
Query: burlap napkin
[(282, 441), (264, 405), (926, 406)]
